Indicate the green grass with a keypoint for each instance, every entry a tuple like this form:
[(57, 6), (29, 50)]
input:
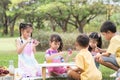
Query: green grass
[(6, 56), (7, 52), (7, 44)]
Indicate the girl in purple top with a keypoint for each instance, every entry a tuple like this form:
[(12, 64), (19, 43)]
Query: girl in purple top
[(54, 55)]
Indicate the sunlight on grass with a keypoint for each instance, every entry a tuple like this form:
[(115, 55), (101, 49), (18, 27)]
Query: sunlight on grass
[(6, 56), (7, 44), (7, 52)]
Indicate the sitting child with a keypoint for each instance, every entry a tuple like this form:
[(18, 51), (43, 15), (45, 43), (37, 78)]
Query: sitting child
[(86, 69), (111, 58), (54, 55), (95, 45)]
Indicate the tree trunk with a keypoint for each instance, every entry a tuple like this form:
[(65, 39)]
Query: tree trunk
[(64, 27), (81, 26), (80, 29), (5, 25), (52, 22), (53, 28), (12, 28), (5, 31)]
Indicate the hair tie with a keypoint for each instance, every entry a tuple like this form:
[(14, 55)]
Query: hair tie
[(22, 25)]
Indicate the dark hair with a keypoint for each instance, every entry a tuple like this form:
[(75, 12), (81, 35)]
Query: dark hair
[(97, 37), (108, 26), (83, 40), (57, 38), (24, 26)]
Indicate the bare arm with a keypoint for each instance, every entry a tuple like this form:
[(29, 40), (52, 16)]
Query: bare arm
[(20, 47), (34, 49), (99, 50), (98, 56), (78, 70), (53, 56), (35, 43), (106, 54)]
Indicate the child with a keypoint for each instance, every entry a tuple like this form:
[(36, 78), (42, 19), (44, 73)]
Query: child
[(111, 58), (26, 49), (86, 69), (94, 45), (54, 55)]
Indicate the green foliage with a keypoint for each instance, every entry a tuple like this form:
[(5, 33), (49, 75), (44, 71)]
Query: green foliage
[(59, 14), (115, 18), (43, 37), (68, 40), (78, 11), (6, 56)]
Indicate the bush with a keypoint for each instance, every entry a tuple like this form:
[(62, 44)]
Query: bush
[(105, 43), (68, 40), (43, 37)]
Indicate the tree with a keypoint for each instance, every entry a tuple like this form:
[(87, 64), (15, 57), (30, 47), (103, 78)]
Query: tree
[(56, 12), (9, 12), (75, 12), (4, 20), (83, 12)]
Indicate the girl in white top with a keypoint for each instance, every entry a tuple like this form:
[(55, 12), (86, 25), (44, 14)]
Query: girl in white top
[(26, 47)]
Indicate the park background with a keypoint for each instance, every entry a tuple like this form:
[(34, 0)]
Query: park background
[(68, 18)]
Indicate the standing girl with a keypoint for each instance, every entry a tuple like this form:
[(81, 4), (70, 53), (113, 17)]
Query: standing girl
[(95, 45), (26, 47), (54, 55)]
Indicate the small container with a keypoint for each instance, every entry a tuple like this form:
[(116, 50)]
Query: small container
[(38, 73), (11, 68)]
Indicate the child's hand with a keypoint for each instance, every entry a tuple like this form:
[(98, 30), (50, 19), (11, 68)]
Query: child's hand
[(97, 57), (68, 68), (29, 40), (97, 49), (35, 42), (69, 52), (61, 53)]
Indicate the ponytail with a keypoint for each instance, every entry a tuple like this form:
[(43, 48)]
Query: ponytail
[(24, 26), (21, 26), (99, 41)]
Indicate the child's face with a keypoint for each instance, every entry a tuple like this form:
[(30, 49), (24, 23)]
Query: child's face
[(93, 43), (54, 45), (107, 35), (26, 33)]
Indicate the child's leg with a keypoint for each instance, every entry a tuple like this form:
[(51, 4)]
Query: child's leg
[(73, 75), (97, 64), (109, 62)]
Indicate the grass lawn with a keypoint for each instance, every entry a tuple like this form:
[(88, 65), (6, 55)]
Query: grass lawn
[(6, 56), (7, 52)]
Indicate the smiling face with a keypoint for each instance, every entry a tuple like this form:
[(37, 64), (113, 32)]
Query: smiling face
[(55, 45), (93, 43), (26, 33)]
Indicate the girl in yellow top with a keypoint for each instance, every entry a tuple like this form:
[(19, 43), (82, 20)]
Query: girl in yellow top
[(86, 69)]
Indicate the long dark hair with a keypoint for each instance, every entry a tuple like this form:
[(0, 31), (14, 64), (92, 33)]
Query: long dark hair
[(24, 26), (57, 38), (97, 37)]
